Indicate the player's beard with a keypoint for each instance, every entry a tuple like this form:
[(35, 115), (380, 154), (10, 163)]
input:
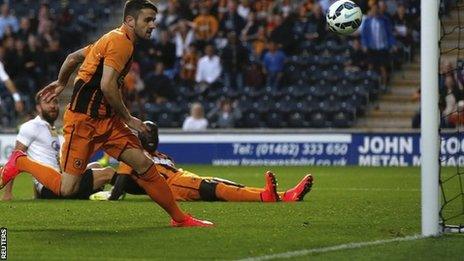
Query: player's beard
[(143, 34), (50, 116)]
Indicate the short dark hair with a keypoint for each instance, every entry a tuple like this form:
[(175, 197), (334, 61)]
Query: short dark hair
[(38, 98), (133, 7)]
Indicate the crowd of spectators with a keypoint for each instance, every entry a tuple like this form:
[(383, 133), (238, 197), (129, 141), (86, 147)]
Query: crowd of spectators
[(35, 38), (243, 45), (213, 53)]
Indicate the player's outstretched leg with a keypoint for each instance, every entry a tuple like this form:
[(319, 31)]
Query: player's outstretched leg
[(10, 171), (19, 161), (298, 192), (228, 191)]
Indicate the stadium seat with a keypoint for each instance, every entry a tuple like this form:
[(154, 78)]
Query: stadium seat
[(167, 120), (321, 90), (297, 120), (318, 120), (275, 120), (341, 120), (251, 120)]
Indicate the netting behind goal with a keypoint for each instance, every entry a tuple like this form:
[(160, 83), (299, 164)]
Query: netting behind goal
[(451, 87)]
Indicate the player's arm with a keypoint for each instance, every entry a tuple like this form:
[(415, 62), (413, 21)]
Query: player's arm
[(10, 86), (110, 89), (8, 194), (19, 106), (71, 63), (122, 177)]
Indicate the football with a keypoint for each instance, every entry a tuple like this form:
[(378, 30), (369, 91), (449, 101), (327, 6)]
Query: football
[(344, 17)]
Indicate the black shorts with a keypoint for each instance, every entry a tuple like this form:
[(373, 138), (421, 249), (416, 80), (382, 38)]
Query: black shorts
[(378, 58), (84, 192)]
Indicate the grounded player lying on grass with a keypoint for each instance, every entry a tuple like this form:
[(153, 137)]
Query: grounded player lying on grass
[(97, 117), (187, 186)]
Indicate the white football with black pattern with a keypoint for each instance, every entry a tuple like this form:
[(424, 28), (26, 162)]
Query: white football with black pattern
[(344, 17)]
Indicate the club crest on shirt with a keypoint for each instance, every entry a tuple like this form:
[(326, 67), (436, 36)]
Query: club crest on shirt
[(78, 163), (56, 145)]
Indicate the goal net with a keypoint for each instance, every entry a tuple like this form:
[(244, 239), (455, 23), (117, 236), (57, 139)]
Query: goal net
[(451, 104)]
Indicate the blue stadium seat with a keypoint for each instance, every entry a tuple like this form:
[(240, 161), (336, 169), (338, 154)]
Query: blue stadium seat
[(341, 120), (168, 120), (275, 120), (318, 120), (353, 77), (251, 120), (297, 120), (320, 91)]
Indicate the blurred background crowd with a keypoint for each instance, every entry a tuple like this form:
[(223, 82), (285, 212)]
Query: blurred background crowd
[(222, 63)]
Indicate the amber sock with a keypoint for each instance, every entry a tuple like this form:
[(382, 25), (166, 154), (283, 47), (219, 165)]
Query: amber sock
[(236, 194), (45, 174), (159, 191), (281, 194)]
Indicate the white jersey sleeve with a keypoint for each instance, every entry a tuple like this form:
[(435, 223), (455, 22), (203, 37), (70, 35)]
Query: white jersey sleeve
[(3, 75), (27, 134)]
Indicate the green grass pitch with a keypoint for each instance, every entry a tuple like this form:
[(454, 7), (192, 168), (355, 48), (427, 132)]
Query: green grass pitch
[(346, 205)]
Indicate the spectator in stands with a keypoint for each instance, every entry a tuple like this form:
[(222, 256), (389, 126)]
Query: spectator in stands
[(273, 62), (166, 53), (133, 84), (234, 60), (250, 31), (309, 26), (286, 8), (183, 37), (189, 66), (232, 21), (158, 87), (244, 9), (48, 34), (282, 34), (221, 8), (44, 18), (460, 74), (254, 76), (261, 8), (225, 115), (378, 40), (20, 67), (54, 57), (259, 44), (37, 65), (402, 29), (171, 16), (24, 29), (208, 69), (7, 20), (452, 96), (206, 27), (196, 121), (357, 56), (416, 119), (383, 11)]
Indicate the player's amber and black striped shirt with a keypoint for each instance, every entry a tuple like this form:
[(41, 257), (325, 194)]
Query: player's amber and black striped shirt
[(114, 49)]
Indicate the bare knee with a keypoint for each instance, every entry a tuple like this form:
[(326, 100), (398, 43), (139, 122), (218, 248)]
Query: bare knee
[(69, 184), (67, 191), (108, 173)]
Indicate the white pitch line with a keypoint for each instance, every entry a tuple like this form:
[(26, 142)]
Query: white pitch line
[(305, 252)]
